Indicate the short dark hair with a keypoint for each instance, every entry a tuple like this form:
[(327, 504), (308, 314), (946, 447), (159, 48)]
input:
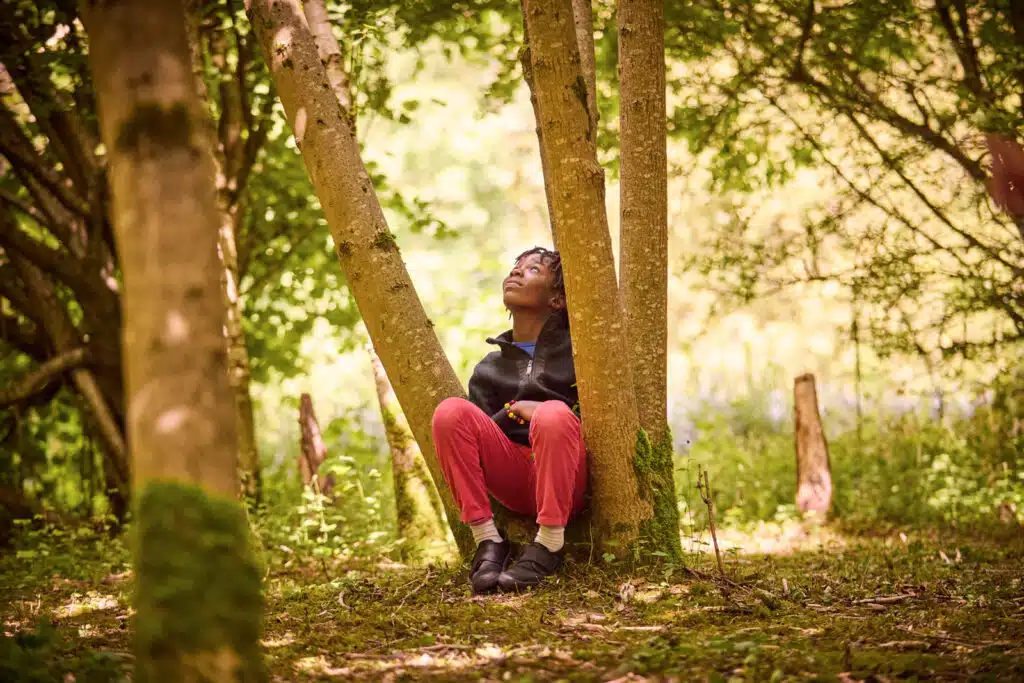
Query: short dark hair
[(551, 259)]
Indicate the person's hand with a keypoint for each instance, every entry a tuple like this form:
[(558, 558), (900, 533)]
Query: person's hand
[(524, 409)]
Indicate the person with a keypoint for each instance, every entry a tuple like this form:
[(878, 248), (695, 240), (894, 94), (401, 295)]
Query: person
[(518, 438)]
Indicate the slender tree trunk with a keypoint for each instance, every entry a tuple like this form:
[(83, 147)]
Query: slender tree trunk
[(239, 367), (330, 53), (398, 326), (584, 26), (597, 319), (227, 143), (643, 225), (417, 505), (197, 594), (813, 472)]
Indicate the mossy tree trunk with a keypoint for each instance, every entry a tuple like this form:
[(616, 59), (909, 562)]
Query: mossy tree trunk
[(398, 326), (813, 471), (197, 595), (643, 225), (622, 515), (420, 517)]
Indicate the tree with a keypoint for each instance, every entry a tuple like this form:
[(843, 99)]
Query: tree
[(621, 454), (418, 510), (397, 324), (890, 101), (197, 583), (643, 228)]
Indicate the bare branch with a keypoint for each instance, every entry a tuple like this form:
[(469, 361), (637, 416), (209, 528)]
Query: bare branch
[(39, 379)]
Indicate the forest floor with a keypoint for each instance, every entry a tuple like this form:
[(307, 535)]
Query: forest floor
[(797, 605)]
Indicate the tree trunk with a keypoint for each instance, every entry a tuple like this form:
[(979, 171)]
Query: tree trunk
[(643, 225), (387, 301), (330, 54), (239, 368), (228, 145), (584, 26), (197, 591), (597, 319), (813, 472), (313, 450), (417, 505), (583, 21)]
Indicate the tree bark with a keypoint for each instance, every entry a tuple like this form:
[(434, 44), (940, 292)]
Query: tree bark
[(643, 228), (418, 508), (584, 27), (239, 367), (813, 471), (229, 158), (330, 54), (583, 20), (384, 293), (195, 571), (312, 450), (597, 319)]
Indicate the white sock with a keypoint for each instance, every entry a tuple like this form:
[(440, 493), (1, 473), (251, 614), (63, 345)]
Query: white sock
[(485, 531), (551, 537)]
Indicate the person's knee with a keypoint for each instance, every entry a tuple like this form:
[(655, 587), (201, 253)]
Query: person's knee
[(450, 414), (552, 415)]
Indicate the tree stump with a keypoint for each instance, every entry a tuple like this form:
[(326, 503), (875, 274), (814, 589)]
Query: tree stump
[(813, 471), (313, 451)]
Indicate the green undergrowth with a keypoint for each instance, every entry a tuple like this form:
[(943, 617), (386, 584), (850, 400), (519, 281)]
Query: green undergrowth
[(821, 606)]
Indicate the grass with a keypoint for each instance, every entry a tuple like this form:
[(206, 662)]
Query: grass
[(800, 603)]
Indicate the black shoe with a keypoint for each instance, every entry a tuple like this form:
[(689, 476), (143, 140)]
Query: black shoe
[(490, 560), (535, 564)]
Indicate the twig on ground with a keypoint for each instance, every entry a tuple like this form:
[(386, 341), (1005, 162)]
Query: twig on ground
[(704, 488)]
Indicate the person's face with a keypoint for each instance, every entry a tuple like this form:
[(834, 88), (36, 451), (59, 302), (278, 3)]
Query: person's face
[(528, 286)]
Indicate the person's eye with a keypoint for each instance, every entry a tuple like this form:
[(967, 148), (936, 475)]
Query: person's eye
[(535, 269)]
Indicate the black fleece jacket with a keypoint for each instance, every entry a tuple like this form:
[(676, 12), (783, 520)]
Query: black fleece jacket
[(511, 374)]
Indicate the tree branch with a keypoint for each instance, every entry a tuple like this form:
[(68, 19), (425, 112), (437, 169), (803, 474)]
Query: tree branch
[(55, 262), (963, 45), (37, 380), (21, 154)]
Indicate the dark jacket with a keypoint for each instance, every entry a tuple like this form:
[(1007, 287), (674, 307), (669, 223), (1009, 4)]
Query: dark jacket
[(510, 373)]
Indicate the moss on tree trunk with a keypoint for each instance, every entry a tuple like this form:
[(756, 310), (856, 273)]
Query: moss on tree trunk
[(197, 588)]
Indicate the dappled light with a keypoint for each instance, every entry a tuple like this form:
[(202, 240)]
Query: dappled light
[(624, 341)]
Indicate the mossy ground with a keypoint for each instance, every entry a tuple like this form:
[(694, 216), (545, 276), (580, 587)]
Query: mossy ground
[(804, 604)]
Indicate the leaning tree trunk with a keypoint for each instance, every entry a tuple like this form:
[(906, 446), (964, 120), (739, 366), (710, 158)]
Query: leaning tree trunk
[(330, 53), (610, 424), (387, 301), (197, 591), (813, 471), (584, 25), (417, 505), (643, 229)]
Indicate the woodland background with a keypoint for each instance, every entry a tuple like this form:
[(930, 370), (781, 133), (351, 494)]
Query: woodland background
[(828, 213)]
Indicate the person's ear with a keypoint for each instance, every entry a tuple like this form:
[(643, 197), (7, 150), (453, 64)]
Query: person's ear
[(557, 302)]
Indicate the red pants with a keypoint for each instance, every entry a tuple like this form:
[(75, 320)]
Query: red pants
[(477, 458)]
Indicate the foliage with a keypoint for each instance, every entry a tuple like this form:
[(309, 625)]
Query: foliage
[(968, 471), (882, 105)]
